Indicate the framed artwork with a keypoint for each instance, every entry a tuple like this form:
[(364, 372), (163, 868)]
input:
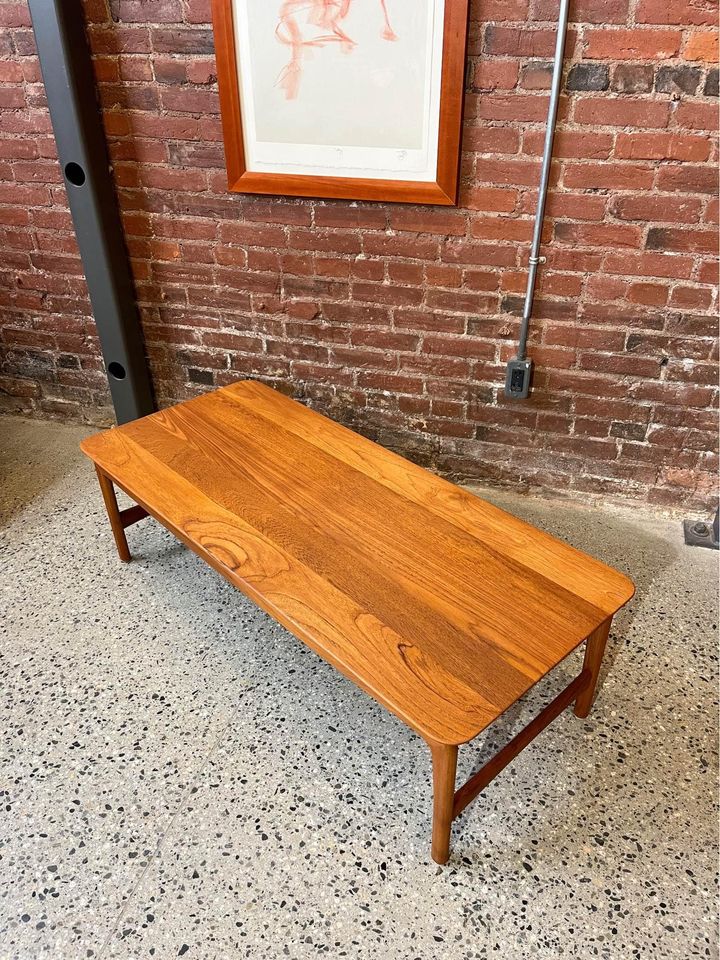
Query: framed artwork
[(354, 99)]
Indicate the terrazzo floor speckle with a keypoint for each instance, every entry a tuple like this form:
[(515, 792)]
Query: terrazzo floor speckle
[(181, 777)]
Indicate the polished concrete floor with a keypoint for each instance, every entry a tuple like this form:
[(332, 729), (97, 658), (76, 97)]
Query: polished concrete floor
[(180, 777)]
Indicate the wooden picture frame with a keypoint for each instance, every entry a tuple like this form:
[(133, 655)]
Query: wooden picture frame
[(441, 187)]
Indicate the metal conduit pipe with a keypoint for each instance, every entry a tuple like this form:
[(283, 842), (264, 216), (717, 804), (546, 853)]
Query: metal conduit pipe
[(519, 369)]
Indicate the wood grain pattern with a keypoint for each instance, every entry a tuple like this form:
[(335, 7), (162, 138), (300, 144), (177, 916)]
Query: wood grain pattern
[(407, 584), (443, 191), (498, 530)]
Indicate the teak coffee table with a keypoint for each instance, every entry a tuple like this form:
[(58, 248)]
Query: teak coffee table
[(442, 607)]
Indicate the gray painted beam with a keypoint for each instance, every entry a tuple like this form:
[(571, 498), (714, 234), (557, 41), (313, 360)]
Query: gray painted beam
[(66, 66)]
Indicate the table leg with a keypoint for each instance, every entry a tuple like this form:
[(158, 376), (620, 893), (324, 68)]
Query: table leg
[(444, 760), (113, 512), (594, 649)]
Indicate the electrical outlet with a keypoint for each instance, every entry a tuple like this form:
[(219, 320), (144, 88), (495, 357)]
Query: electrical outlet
[(517, 379)]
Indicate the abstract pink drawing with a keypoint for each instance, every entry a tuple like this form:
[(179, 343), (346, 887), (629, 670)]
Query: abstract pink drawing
[(325, 16)]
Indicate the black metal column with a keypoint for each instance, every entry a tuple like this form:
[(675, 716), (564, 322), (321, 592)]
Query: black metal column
[(66, 66)]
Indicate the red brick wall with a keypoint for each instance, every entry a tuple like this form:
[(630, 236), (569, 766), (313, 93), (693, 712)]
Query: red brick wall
[(396, 319)]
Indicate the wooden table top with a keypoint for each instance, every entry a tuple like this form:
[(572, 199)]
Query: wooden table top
[(443, 607)]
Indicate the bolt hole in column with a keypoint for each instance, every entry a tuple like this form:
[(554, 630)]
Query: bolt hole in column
[(116, 370), (74, 174)]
